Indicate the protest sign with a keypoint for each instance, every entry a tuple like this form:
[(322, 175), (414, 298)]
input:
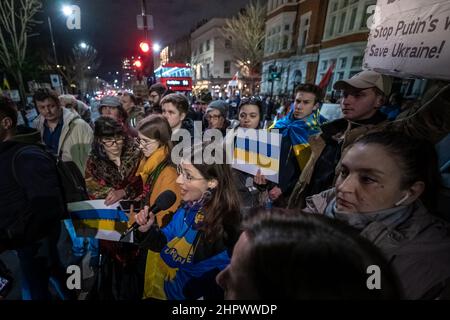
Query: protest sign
[(257, 150), (410, 38)]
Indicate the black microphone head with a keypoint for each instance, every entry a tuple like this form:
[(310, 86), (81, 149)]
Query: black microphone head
[(165, 200)]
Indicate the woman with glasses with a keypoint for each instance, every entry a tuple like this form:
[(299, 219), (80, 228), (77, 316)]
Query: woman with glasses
[(158, 175), (111, 175), (195, 245), (216, 115)]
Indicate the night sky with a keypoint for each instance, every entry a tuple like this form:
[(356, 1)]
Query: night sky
[(110, 25)]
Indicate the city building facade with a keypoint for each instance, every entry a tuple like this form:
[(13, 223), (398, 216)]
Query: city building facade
[(212, 58)]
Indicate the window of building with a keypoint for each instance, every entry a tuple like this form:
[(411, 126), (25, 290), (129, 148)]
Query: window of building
[(285, 42), (343, 63), (353, 73), (353, 18), (344, 16), (201, 48), (357, 62), (286, 27), (207, 70), (227, 67), (324, 65), (208, 43), (342, 22), (365, 15), (339, 76), (331, 26)]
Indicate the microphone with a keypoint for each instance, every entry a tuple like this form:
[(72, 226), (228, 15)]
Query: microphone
[(164, 201)]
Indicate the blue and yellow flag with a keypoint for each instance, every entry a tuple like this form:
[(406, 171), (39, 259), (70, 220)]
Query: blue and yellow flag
[(94, 219), (299, 131)]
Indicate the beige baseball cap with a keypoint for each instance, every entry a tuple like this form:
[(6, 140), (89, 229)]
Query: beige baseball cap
[(366, 80)]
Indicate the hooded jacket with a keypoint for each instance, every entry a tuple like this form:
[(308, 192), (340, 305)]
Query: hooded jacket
[(75, 140)]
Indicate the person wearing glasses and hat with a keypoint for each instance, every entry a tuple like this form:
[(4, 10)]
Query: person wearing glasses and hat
[(362, 97), (216, 115), (110, 106)]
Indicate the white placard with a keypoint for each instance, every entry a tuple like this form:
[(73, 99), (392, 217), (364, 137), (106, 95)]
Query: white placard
[(410, 38)]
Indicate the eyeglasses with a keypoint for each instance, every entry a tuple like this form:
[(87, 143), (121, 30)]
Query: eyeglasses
[(144, 143), (186, 176), (111, 142)]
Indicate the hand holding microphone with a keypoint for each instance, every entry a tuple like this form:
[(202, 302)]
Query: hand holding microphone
[(145, 219)]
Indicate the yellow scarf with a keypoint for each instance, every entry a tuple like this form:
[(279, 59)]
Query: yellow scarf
[(148, 165)]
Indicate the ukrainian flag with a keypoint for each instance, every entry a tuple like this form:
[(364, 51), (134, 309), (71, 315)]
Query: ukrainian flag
[(257, 149), (94, 219), (299, 132)]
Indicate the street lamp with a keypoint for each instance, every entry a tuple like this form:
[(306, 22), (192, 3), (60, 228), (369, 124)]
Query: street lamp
[(83, 45), (67, 10), (156, 47)]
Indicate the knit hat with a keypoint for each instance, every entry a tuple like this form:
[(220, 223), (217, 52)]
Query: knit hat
[(220, 105)]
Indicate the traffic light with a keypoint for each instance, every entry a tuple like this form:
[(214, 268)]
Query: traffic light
[(144, 46), (137, 64)]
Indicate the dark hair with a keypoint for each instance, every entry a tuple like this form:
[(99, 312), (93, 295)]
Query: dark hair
[(132, 97), (252, 101), (106, 127), (158, 88), (178, 100), (8, 110), (416, 158), (155, 126), (311, 88), (222, 214), (42, 94), (300, 256)]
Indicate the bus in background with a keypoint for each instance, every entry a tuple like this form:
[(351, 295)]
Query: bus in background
[(175, 76)]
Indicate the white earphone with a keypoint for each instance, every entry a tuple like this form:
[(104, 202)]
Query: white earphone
[(400, 202)]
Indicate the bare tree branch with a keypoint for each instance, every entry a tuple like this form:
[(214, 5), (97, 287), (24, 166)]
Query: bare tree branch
[(16, 21), (247, 33)]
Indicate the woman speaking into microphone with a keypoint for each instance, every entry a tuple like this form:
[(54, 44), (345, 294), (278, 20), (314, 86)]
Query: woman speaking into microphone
[(197, 242)]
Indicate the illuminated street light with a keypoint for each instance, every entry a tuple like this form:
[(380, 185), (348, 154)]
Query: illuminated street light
[(83, 45), (156, 47), (89, 67), (67, 10)]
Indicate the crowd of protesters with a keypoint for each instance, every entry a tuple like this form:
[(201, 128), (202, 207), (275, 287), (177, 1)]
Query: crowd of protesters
[(368, 189)]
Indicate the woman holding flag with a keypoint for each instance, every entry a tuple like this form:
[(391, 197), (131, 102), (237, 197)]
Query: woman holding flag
[(296, 128), (195, 246)]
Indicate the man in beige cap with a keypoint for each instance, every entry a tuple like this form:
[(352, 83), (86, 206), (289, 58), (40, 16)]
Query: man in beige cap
[(362, 97)]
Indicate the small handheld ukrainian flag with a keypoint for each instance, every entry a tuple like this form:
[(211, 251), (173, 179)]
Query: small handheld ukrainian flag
[(94, 219)]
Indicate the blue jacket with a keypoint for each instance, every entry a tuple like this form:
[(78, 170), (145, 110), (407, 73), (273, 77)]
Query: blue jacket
[(192, 262)]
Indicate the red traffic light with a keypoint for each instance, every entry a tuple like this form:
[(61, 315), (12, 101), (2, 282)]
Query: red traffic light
[(145, 46), (137, 64)]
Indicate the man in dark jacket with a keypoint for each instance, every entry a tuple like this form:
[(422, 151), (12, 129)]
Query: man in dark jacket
[(30, 206)]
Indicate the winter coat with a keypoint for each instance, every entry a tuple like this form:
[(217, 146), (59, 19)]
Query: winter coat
[(75, 140), (415, 243), (103, 175), (135, 115), (427, 120)]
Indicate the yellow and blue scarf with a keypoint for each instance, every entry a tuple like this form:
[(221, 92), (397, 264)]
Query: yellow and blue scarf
[(299, 131)]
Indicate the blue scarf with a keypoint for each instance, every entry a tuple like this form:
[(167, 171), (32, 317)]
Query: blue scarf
[(299, 131)]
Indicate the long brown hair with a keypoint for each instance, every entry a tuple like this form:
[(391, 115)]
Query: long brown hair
[(222, 215), (157, 127)]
